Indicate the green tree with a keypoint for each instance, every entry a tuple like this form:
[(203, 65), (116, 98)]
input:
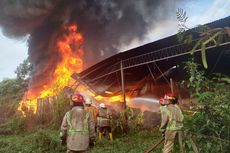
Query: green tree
[(12, 91), (24, 70)]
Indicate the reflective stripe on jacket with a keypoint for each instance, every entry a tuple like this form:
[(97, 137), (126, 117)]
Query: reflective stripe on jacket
[(79, 126), (83, 129), (172, 118)]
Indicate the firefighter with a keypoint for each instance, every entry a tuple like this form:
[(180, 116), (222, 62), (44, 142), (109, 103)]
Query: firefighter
[(171, 121), (77, 128), (93, 110), (104, 121)]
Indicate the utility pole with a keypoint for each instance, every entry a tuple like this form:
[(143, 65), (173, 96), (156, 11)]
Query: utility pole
[(123, 84), (123, 96)]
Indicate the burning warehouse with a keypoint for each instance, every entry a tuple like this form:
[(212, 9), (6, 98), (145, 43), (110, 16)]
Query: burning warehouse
[(98, 68), (153, 69), (70, 36), (145, 72)]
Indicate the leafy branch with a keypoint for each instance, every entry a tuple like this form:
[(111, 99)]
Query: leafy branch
[(207, 35), (182, 18)]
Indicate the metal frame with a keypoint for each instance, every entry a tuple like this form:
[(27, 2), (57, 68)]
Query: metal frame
[(155, 56)]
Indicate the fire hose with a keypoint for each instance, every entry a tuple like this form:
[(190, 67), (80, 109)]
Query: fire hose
[(155, 146)]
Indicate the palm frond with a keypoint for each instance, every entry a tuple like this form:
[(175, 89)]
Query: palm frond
[(181, 15)]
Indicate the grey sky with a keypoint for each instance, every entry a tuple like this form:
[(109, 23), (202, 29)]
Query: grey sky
[(13, 52), (198, 12)]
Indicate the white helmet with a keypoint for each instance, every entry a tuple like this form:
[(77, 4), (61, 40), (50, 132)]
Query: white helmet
[(102, 105), (88, 101)]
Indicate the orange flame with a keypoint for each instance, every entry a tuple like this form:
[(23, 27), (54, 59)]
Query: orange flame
[(71, 52)]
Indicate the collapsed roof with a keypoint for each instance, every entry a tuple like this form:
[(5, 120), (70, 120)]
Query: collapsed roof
[(159, 61)]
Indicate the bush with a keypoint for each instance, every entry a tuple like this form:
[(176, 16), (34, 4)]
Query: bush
[(11, 92), (60, 106), (127, 121), (42, 141), (13, 126), (47, 141), (208, 127), (133, 143)]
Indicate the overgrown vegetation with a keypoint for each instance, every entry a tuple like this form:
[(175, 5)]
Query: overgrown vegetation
[(135, 142), (207, 128), (127, 121), (12, 90), (61, 106), (207, 125), (42, 141), (47, 141)]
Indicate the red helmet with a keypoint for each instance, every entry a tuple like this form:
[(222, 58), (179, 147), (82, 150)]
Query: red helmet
[(77, 98), (169, 96), (161, 101)]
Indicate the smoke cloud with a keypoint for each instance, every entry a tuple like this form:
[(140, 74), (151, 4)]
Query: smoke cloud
[(105, 25)]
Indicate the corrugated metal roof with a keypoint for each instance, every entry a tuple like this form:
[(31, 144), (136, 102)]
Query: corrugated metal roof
[(136, 74)]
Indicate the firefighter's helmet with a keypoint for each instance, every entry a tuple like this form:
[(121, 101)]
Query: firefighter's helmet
[(161, 101), (77, 99), (170, 98), (102, 105), (88, 101)]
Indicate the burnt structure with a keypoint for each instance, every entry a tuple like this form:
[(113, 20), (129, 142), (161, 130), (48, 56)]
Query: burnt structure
[(148, 68)]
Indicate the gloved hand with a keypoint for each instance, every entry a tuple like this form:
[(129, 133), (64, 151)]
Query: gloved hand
[(92, 141), (63, 137)]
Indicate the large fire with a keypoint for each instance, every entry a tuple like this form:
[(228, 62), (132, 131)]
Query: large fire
[(117, 98), (71, 51)]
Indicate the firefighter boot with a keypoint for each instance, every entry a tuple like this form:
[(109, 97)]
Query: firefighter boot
[(100, 135), (110, 136)]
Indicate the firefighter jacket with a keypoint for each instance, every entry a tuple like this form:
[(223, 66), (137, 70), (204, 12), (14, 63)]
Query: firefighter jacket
[(104, 117), (171, 118), (78, 125), (94, 112)]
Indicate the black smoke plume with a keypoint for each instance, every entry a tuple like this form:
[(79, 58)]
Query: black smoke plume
[(105, 25)]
